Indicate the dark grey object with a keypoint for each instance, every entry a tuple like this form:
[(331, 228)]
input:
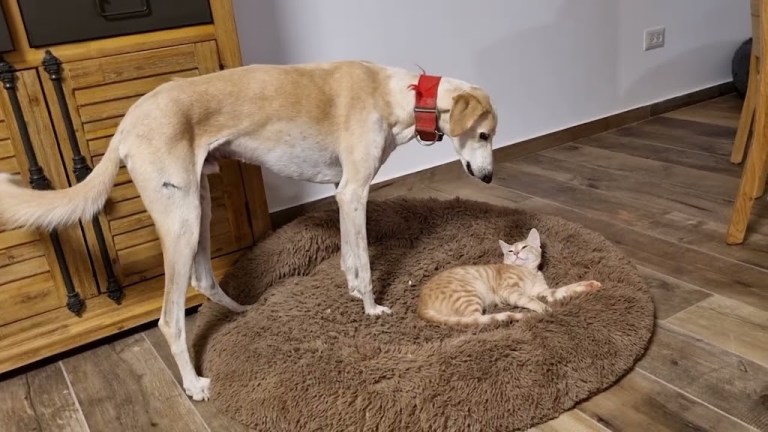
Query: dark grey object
[(6, 43), (740, 67), (51, 22)]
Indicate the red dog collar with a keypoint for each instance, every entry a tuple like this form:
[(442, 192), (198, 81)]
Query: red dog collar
[(425, 111)]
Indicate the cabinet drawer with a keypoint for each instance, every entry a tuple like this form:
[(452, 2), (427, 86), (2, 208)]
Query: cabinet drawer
[(27, 285), (51, 22)]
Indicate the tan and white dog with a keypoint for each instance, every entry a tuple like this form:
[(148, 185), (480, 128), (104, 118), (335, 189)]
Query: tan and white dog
[(332, 123)]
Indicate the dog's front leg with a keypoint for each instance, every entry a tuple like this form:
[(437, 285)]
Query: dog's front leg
[(352, 199)]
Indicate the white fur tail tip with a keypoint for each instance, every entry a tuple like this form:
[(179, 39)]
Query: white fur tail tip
[(24, 207)]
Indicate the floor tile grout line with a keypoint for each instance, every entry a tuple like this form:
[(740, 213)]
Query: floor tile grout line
[(637, 141), (177, 384), (715, 175), (586, 416), (650, 234), (74, 396), (701, 338), (655, 143), (675, 279), (682, 282), (696, 287), (637, 201), (654, 377), (666, 320)]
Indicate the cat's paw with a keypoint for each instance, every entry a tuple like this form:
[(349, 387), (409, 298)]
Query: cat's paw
[(592, 286)]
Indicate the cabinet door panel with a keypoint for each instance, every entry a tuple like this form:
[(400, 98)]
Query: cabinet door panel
[(8, 163), (31, 281), (99, 92)]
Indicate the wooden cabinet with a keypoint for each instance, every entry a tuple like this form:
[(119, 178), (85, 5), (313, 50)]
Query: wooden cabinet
[(71, 105)]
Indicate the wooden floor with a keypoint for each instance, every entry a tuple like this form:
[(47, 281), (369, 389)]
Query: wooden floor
[(661, 190)]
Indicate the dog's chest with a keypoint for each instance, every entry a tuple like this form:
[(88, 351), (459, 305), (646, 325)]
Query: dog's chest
[(303, 157)]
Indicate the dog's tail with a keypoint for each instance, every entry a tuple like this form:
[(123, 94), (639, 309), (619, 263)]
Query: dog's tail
[(472, 320), (22, 207)]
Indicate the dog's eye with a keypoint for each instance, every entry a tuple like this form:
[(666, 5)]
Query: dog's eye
[(483, 136)]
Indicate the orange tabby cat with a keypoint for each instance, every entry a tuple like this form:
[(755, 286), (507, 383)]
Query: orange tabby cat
[(459, 295)]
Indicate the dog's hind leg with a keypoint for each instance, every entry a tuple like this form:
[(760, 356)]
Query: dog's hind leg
[(171, 195), (203, 279)]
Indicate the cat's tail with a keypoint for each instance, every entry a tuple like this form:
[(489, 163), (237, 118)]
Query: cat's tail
[(473, 320)]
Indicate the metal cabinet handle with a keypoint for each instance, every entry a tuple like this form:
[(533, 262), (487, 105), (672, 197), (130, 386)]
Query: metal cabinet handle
[(143, 10)]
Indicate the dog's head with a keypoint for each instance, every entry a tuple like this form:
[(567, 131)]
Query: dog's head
[(472, 126)]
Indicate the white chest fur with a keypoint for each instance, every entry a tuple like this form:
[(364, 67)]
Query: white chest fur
[(288, 150)]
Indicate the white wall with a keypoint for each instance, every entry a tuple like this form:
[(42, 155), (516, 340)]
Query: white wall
[(548, 64)]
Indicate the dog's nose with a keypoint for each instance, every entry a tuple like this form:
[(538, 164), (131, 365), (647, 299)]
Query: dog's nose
[(487, 178)]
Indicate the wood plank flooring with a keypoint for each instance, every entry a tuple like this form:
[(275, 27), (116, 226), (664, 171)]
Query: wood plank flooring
[(661, 189)]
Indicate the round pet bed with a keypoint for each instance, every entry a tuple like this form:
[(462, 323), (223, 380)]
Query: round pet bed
[(305, 357)]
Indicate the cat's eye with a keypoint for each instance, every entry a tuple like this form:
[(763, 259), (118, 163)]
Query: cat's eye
[(483, 136)]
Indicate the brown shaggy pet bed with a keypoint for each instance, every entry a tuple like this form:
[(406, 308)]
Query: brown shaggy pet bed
[(305, 357)]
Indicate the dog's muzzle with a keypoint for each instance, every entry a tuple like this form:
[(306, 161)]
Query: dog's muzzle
[(485, 178)]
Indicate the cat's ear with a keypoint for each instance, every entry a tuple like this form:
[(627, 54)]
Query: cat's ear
[(533, 238), (504, 247)]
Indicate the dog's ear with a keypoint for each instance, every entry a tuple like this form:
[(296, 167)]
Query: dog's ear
[(466, 109)]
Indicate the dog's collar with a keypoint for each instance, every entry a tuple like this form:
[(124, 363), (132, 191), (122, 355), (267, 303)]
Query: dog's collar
[(425, 110)]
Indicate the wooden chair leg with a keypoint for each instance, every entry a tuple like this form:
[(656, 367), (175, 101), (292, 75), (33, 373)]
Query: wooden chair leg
[(762, 179), (747, 113), (754, 169)]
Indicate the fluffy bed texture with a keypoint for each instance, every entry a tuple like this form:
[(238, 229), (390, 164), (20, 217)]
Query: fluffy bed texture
[(305, 357)]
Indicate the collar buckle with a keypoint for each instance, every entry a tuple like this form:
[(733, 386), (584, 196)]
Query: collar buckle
[(426, 115)]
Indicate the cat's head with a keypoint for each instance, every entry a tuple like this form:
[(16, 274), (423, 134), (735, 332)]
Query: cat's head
[(526, 253)]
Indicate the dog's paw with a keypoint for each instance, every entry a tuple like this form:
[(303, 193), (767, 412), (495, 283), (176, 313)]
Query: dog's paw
[(237, 308), (592, 286), (356, 294), (198, 389), (377, 310)]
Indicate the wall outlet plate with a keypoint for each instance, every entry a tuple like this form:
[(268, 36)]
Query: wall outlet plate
[(654, 38)]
